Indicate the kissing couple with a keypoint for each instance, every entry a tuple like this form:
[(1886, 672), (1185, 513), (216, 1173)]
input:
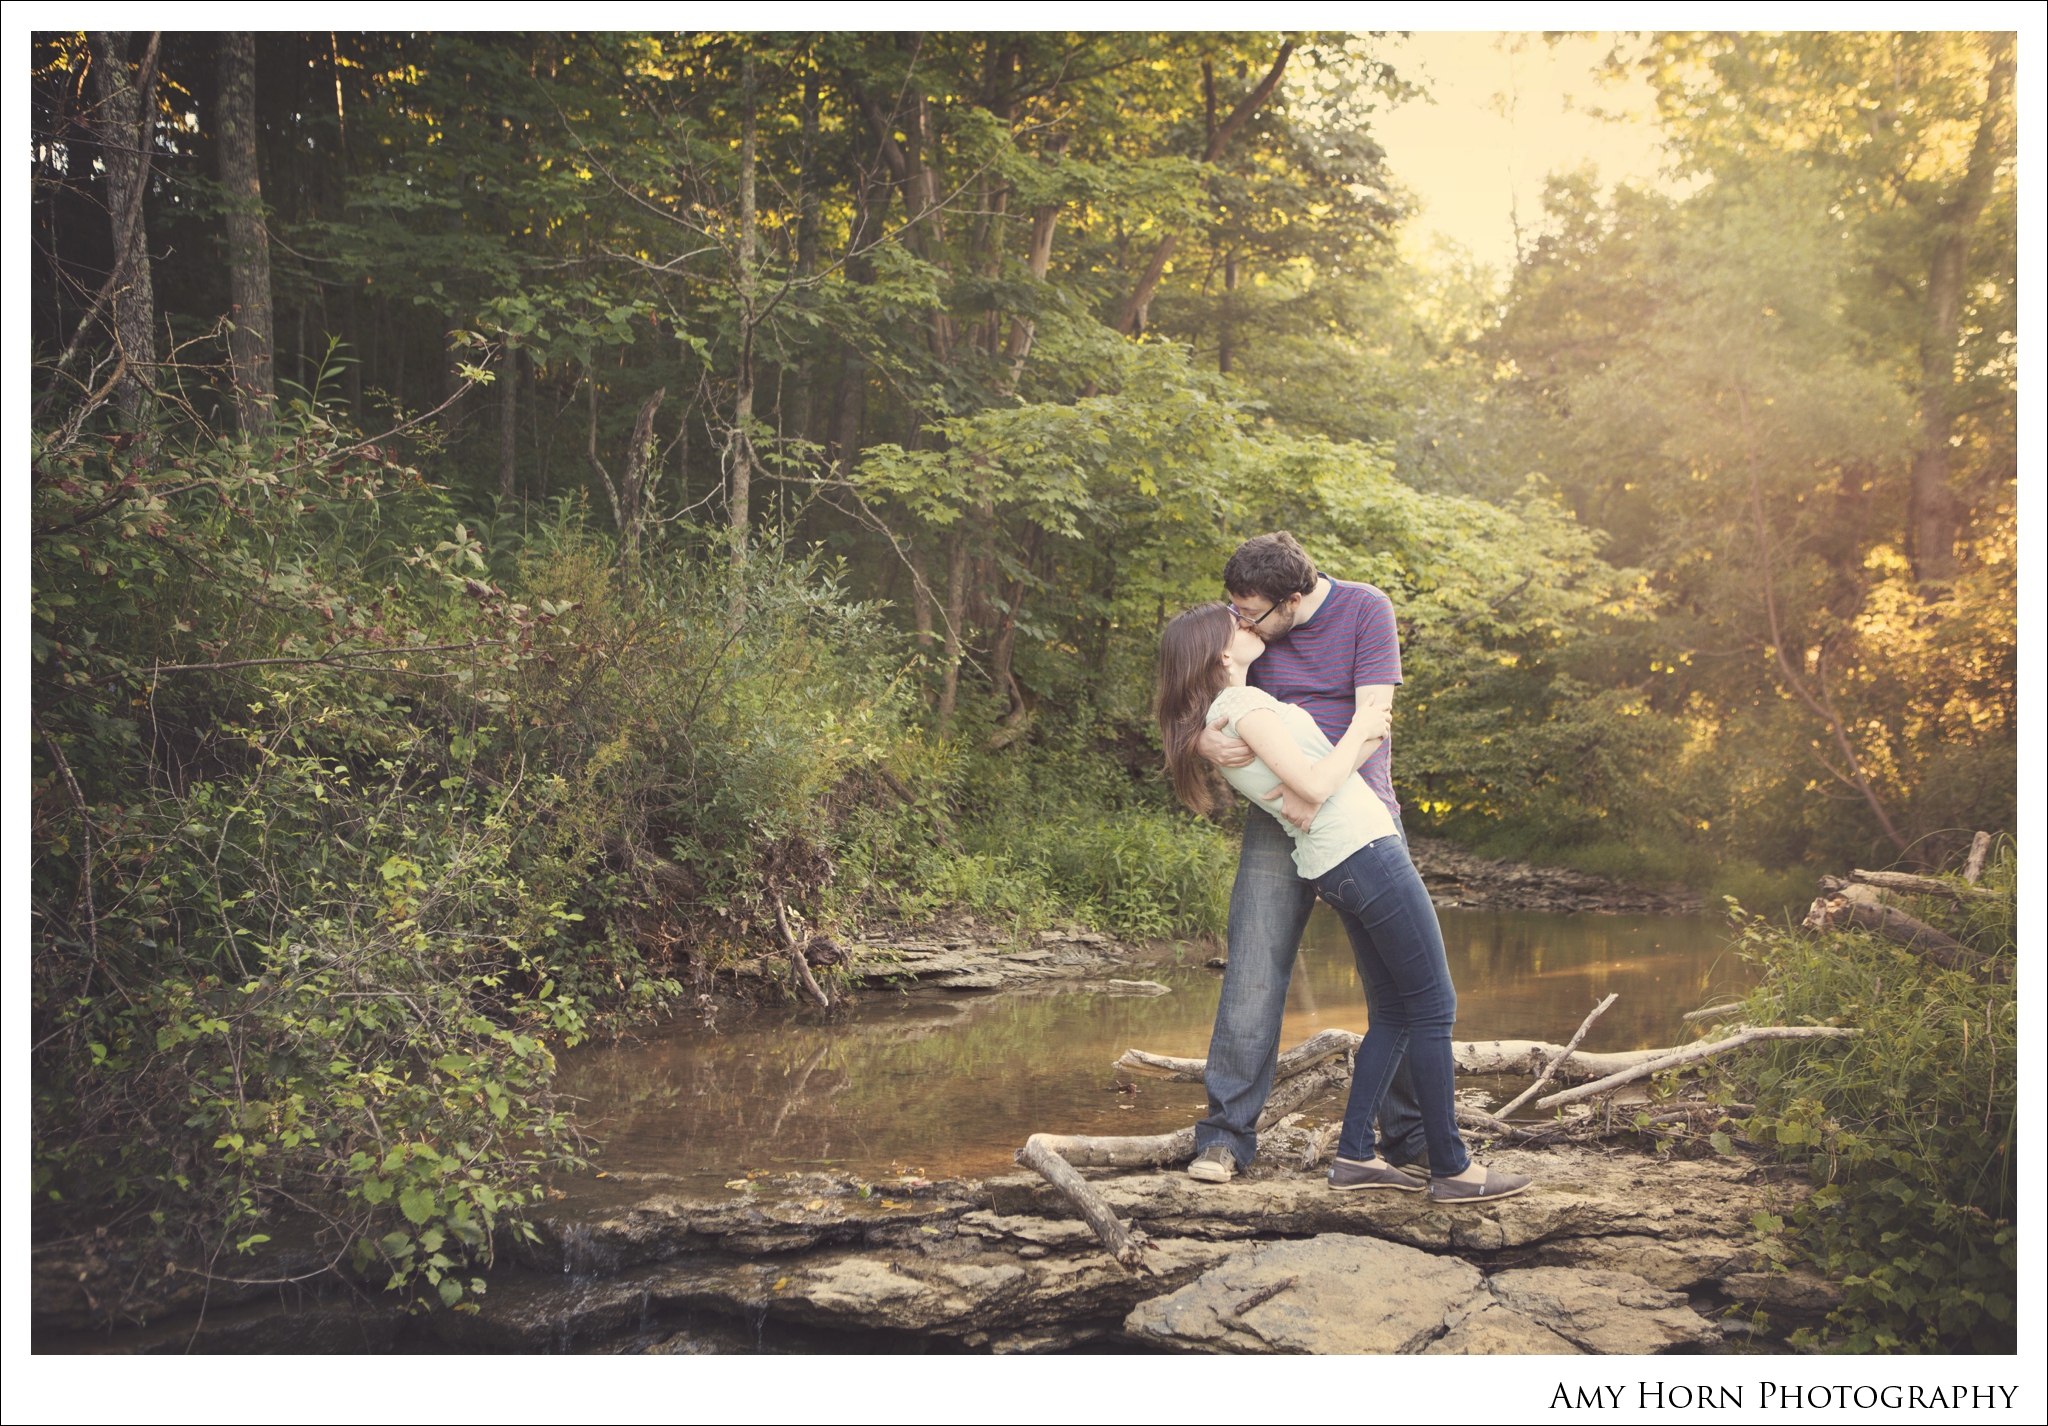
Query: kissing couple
[(1287, 690)]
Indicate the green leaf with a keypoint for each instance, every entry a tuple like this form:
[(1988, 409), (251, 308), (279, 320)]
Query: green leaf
[(451, 1292), (417, 1204), (376, 1190)]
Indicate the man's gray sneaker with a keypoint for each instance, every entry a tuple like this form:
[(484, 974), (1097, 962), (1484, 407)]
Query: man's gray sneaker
[(1349, 1174), (1494, 1185), (1213, 1165)]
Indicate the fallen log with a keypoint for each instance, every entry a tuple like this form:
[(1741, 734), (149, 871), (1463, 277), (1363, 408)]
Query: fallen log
[(1693, 1054), (1552, 1068), (1846, 906), (1502, 1057), (1317, 1048), (1054, 1157), (1921, 885), (1124, 1241)]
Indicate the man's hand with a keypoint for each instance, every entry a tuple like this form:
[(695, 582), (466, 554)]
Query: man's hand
[(1223, 751), (1294, 807)]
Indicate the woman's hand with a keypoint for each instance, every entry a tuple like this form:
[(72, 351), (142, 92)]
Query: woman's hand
[(1295, 808)]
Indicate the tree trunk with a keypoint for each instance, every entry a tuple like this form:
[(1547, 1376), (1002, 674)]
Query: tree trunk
[(124, 127), (251, 345), (637, 483), (1934, 517), (1141, 296), (1044, 219), (743, 400), (956, 614), (920, 603), (806, 253), (508, 425), (1226, 346)]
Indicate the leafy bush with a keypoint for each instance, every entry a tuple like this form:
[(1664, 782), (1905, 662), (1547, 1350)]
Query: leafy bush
[(1907, 1129), (344, 817)]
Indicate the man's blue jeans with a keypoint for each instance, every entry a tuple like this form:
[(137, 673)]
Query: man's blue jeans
[(1269, 907)]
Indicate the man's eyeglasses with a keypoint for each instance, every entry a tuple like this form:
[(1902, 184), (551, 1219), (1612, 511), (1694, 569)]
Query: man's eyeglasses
[(1246, 620)]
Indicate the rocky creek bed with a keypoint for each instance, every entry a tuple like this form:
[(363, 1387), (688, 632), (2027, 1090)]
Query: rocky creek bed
[(1612, 1251)]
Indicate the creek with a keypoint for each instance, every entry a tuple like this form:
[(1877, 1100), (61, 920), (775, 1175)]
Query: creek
[(942, 1083)]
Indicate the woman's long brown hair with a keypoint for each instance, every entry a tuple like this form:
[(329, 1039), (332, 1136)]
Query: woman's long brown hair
[(1191, 674)]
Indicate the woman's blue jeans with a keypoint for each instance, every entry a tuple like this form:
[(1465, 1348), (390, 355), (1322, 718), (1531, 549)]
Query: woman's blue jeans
[(1269, 907), (1400, 954)]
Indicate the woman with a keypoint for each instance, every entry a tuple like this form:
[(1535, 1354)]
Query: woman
[(1356, 858)]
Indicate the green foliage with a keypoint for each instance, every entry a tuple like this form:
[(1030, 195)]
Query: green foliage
[(1908, 1130)]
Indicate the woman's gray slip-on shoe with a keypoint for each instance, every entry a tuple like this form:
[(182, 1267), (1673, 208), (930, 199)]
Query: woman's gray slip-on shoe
[(1349, 1174), (1213, 1165), (1494, 1185)]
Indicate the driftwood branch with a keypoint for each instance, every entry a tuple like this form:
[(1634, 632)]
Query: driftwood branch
[(796, 954), (1693, 1054), (1552, 1068), (1323, 1045), (1041, 1153), (1846, 906), (1921, 885), (1066, 1152), (1504, 1057), (1719, 1013), (1980, 848)]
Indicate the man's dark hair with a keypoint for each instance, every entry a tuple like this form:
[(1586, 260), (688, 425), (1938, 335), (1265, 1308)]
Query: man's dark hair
[(1274, 565)]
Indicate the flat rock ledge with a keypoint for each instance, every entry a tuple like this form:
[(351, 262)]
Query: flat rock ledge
[(1610, 1252), (970, 956), (1338, 1293)]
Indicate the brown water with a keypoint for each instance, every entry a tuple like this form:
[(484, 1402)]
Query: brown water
[(943, 1083)]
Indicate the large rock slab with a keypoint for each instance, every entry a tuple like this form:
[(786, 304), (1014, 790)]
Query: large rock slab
[(1337, 1293), (1490, 1330), (1609, 1313), (1342, 1294), (1679, 1224)]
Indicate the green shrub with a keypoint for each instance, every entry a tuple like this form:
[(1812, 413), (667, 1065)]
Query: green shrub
[(1907, 1130), (343, 817)]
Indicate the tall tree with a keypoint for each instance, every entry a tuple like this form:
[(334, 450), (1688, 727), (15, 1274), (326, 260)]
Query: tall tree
[(124, 116), (1915, 130), (250, 345)]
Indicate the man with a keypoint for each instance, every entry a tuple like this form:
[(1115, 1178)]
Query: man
[(1332, 649)]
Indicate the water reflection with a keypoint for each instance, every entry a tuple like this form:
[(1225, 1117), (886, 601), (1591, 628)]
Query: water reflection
[(952, 1084)]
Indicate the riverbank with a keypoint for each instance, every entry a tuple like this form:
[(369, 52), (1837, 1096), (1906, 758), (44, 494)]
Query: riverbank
[(1456, 877), (1610, 1252)]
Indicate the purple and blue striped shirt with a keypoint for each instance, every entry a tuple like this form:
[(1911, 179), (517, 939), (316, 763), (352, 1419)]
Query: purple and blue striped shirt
[(1348, 644)]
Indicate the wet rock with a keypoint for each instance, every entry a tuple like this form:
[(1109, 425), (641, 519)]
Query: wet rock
[(1136, 987), (1340, 1294), (981, 980), (1609, 1313)]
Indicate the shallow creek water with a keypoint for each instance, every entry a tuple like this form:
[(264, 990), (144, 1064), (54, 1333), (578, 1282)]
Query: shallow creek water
[(944, 1083)]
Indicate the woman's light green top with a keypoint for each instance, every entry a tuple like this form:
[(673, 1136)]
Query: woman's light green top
[(1352, 817)]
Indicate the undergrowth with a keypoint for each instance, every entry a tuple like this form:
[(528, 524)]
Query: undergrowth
[(1907, 1130)]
